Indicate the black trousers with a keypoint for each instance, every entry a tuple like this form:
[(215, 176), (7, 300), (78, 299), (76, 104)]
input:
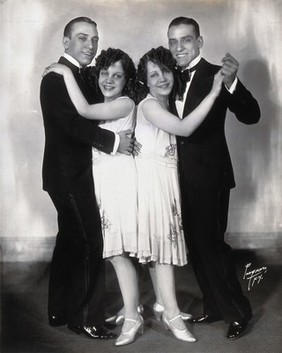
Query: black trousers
[(205, 218), (77, 275)]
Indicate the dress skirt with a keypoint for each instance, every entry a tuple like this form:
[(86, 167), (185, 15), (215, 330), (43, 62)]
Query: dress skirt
[(160, 232), (115, 184)]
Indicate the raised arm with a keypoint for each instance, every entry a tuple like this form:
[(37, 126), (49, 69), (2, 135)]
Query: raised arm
[(160, 117), (60, 114), (101, 111), (241, 101)]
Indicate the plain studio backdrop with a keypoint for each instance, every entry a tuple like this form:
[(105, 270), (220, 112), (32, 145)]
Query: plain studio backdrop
[(31, 38)]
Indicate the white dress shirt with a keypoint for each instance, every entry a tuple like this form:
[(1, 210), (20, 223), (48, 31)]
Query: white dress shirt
[(180, 103)]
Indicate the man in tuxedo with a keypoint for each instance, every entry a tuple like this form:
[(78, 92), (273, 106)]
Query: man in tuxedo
[(76, 285), (206, 176)]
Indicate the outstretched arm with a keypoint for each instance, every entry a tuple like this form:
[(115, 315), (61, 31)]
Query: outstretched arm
[(101, 111), (160, 117)]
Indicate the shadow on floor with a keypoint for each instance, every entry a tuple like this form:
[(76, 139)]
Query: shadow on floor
[(24, 327)]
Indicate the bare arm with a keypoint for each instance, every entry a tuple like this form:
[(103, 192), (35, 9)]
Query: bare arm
[(160, 117), (101, 111)]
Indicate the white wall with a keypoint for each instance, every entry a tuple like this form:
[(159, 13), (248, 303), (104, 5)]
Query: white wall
[(30, 37)]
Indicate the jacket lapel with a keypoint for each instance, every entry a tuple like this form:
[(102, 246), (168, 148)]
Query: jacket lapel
[(73, 68), (84, 87), (199, 87)]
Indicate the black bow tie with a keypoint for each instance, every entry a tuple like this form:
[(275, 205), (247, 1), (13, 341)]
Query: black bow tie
[(186, 74), (83, 73)]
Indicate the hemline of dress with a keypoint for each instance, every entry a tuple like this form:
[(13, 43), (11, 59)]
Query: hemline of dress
[(145, 258), (131, 252)]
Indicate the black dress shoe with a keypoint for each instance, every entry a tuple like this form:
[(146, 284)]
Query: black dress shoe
[(96, 332), (56, 320), (237, 328), (205, 319)]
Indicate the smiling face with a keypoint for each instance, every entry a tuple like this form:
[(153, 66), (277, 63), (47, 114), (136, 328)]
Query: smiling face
[(184, 44), (82, 44), (112, 81), (159, 80)]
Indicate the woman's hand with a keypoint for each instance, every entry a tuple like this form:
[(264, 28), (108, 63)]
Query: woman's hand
[(217, 82), (57, 68)]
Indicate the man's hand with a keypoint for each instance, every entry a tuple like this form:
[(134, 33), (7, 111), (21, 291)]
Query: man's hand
[(128, 144), (136, 147), (229, 69)]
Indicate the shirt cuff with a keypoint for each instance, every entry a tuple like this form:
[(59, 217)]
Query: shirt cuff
[(116, 144), (233, 86)]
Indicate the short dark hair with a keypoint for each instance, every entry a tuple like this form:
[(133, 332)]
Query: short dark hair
[(110, 56), (68, 28), (159, 56), (185, 21)]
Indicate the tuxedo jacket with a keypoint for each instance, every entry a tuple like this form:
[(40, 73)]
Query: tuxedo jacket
[(69, 138), (204, 158)]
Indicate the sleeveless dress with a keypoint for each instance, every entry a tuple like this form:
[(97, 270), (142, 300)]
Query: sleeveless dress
[(115, 182), (160, 232)]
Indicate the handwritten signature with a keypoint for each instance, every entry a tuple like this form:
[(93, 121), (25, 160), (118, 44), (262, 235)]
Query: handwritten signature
[(254, 276)]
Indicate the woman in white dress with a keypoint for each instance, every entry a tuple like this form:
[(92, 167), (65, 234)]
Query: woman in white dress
[(115, 176), (160, 235)]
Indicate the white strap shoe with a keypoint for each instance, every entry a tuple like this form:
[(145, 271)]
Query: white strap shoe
[(118, 319), (159, 310), (129, 336), (180, 334)]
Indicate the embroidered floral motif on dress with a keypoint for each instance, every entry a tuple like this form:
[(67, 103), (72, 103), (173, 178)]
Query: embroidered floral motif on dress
[(174, 209), (173, 234), (176, 213), (170, 150), (105, 223)]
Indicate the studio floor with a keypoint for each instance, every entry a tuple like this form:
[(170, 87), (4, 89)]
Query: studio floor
[(24, 327)]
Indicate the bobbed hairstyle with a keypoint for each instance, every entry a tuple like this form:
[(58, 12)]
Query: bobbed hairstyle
[(110, 56), (68, 27), (164, 59), (185, 21)]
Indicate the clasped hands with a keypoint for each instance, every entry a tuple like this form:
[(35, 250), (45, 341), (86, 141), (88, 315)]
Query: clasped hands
[(229, 69)]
